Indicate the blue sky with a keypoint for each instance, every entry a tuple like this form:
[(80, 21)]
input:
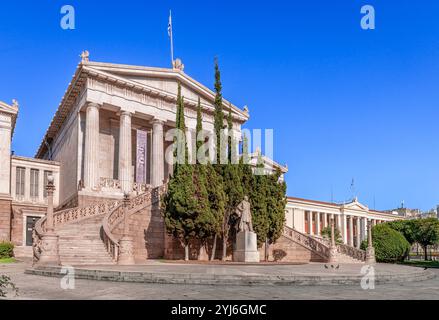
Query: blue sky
[(343, 102)]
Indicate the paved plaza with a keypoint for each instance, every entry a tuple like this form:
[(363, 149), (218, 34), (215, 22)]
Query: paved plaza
[(41, 287)]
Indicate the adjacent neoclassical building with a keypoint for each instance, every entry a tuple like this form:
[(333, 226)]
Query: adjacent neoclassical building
[(109, 137)]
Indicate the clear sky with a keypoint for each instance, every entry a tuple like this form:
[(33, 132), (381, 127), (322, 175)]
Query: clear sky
[(343, 102)]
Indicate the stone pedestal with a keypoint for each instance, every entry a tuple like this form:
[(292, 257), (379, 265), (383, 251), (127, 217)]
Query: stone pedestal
[(49, 250), (332, 254), (370, 255), (246, 247), (126, 253)]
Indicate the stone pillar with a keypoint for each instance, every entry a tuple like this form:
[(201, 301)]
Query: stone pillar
[(351, 231), (332, 247), (358, 233), (344, 232), (318, 223), (49, 241), (311, 229), (325, 219), (91, 152), (126, 250), (125, 152), (370, 251), (157, 166)]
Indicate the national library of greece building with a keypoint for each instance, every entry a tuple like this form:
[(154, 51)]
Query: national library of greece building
[(109, 138)]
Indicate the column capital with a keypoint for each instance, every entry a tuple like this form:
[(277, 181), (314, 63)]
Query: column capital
[(125, 113), (158, 121), (93, 105)]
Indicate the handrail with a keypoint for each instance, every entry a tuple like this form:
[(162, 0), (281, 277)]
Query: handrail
[(307, 241), (113, 218), (352, 252), (67, 216)]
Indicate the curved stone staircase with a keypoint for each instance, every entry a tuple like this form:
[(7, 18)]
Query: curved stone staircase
[(344, 253), (80, 243), (86, 234)]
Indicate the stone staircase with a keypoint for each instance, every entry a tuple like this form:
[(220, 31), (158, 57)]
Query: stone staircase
[(320, 247), (80, 243)]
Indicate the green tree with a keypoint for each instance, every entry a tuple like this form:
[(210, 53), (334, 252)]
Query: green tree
[(232, 187), (180, 204), (276, 203), (245, 168), (258, 201), (427, 233), (218, 118), (205, 223)]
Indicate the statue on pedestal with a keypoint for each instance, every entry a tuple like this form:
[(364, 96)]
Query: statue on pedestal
[(246, 239), (245, 216)]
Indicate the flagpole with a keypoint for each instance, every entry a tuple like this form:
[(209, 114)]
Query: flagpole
[(172, 40)]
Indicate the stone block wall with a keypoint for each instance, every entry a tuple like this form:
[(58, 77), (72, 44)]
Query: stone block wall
[(147, 229), (17, 221), (285, 250), (5, 220)]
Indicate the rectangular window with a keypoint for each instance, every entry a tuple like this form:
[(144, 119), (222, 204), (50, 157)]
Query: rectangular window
[(46, 175), (34, 182), (19, 183)]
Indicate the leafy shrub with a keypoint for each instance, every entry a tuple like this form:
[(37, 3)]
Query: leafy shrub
[(390, 245), (6, 250)]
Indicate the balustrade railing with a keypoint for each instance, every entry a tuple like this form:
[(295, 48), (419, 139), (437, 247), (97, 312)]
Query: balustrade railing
[(352, 252), (67, 216), (307, 241), (116, 216)]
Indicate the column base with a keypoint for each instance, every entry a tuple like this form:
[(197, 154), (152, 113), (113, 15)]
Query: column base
[(49, 250), (126, 254)]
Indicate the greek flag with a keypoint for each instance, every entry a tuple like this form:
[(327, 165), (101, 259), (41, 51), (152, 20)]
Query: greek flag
[(170, 25)]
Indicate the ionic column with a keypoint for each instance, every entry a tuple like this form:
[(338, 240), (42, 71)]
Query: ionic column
[(157, 166), (364, 237), (344, 229), (358, 233), (91, 152), (351, 231), (125, 158), (311, 225), (318, 223), (324, 220)]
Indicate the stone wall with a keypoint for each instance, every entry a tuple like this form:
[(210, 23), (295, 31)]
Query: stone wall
[(147, 229), (17, 221), (5, 220), (285, 250)]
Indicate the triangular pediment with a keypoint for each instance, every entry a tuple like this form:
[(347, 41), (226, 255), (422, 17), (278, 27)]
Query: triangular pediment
[(11, 109), (355, 205), (165, 81)]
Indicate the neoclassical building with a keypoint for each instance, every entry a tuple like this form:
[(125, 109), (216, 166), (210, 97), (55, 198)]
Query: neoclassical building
[(111, 136)]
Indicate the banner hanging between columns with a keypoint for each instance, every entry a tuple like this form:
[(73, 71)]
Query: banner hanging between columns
[(141, 156)]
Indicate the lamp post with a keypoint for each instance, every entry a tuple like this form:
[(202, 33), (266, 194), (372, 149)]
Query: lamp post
[(126, 254), (49, 240)]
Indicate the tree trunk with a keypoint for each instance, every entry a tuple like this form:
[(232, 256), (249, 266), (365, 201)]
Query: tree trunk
[(224, 248), (266, 250), (425, 253), (186, 252), (212, 257)]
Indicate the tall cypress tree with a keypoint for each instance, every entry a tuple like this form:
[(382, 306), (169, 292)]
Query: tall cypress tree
[(245, 168), (180, 205), (206, 224), (218, 119)]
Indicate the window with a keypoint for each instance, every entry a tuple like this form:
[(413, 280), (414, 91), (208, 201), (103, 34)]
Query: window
[(19, 183), (46, 175), (34, 179)]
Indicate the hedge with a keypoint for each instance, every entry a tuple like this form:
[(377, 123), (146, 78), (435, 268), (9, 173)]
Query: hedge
[(390, 245), (6, 250)]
